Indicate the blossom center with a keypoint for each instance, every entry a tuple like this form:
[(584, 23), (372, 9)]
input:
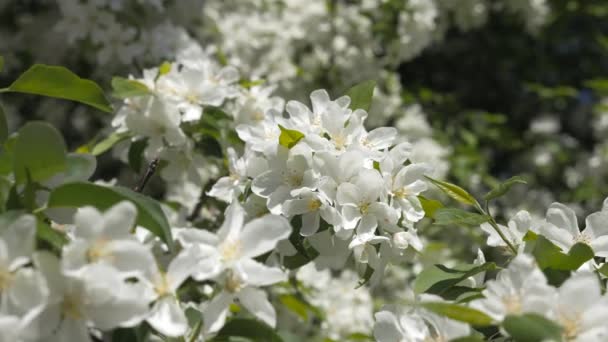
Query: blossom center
[(162, 286), (339, 141), (6, 278), (314, 204), (233, 282), (98, 250), (364, 208), (512, 303), (571, 326), (294, 179), (70, 307), (401, 193), (583, 238), (230, 250)]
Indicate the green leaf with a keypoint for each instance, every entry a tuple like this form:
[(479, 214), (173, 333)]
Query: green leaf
[(458, 313), (295, 305), (3, 126), (455, 217), (604, 270), (109, 142), (454, 191), (59, 82), (136, 153), (78, 194), (40, 151), (289, 137), (472, 338), (429, 206), (250, 329), (438, 279), (164, 68), (503, 188), (1, 63), (49, 235), (125, 88), (80, 167), (551, 256), (361, 95), (532, 328)]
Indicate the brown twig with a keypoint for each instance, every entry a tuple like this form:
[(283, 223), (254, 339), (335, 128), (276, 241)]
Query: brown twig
[(146, 177)]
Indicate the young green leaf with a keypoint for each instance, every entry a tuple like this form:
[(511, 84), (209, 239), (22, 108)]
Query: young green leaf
[(361, 95), (289, 137), (551, 256), (458, 313), (40, 151), (429, 206), (456, 217), (438, 279), (49, 235), (108, 143), (164, 68), (125, 88), (59, 82), (250, 329), (3, 126), (79, 194), (295, 305), (454, 191), (503, 188), (531, 328)]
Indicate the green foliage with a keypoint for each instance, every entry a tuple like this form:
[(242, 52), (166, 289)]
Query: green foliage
[(551, 256), (164, 68), (361, 95), (289, 137), (59, 82), (124, 88), (295, 305), (136, 154), (3, 127), (531, 328), (459, 313), (1, 63), (149, 212), (455, 217), (49, 235), (440, 280), (251, 330), (503, 188), (79, 167), (429, 206), (454, 191), (39, 152), (106, 144)]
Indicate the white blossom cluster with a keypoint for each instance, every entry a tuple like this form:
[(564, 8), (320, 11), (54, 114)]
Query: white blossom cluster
[(579, 305)]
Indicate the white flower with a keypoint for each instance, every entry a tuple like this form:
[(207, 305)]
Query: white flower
[(106, 238), (192, 87), (360, 206), (581, 309), (240, 169), (289, 173), (520, 288), (517, 228), (562, 229), (99, 297), (235, 247), (312, 206), (406, 185)]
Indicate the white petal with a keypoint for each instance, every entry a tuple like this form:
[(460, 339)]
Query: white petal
[(387, 328), (233, 222), (258, 274), (168, 318), (256, 302), (261, 235), (310, 223), (88, 222), (119, 219), (563, 217), (214, 314)]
